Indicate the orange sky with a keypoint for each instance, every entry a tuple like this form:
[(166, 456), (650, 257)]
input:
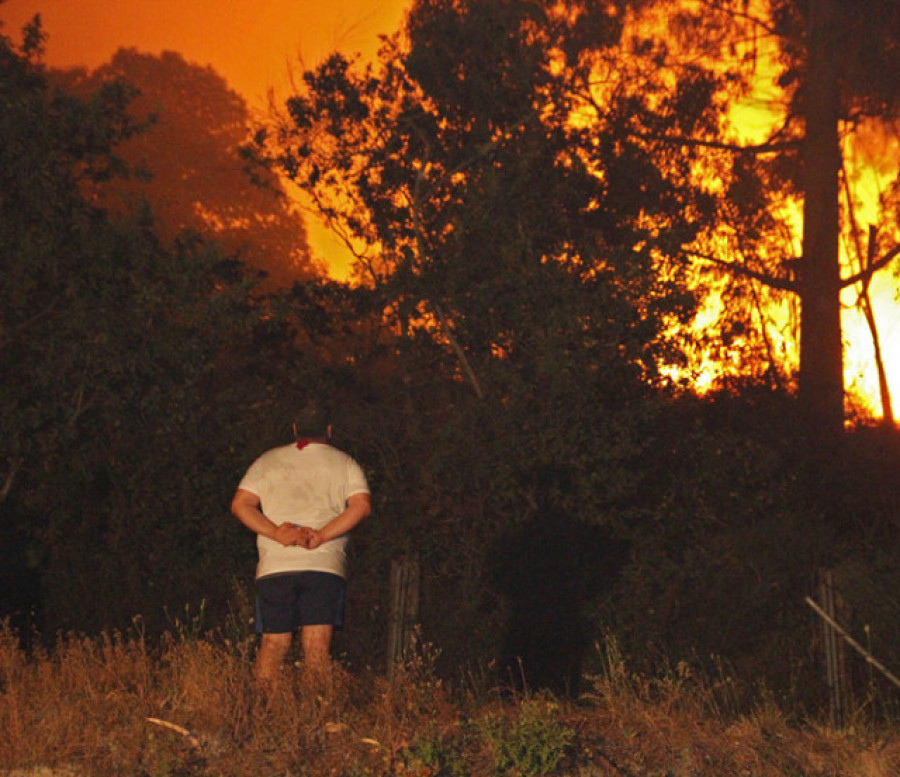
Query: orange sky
[(252, 44)]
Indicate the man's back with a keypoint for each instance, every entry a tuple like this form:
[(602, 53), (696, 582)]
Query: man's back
[(306, 484)]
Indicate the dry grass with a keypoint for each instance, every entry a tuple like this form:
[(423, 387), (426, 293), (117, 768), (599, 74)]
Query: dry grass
[(113, 706)]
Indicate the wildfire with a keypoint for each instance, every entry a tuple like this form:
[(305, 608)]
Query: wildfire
[(871, 162), (872, 155)]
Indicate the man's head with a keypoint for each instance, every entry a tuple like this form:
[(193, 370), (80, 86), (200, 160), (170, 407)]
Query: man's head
[(314, 421)]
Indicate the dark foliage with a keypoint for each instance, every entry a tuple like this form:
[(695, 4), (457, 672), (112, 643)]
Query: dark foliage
[(498, 378)]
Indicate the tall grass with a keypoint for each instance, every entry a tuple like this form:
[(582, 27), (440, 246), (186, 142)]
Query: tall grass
[(115, 705)]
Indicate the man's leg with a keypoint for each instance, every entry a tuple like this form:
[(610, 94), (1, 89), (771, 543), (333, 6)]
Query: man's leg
[(272, 650), (316, 641)]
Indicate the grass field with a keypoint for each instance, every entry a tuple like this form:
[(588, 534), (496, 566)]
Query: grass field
[(114, 705)]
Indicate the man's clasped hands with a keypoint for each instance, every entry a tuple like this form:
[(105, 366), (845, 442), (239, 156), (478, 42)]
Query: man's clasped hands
[(303, 536)]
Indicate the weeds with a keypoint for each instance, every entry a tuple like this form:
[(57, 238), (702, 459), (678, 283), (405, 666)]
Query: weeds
[(114, 706), (434, 754), (532, 743)]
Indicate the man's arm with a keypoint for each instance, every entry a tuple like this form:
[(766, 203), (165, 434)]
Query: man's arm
[(246, 508), (359, 506)]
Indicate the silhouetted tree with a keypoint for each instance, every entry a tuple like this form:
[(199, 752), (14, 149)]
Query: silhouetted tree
[(530, 260), (131, 365), (188, 165)]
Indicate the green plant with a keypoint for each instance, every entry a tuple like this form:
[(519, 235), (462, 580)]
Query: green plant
[(532, 744), (433, 756)]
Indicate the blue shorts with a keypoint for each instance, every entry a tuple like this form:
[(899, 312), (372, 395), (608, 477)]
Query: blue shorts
[(286, 602)]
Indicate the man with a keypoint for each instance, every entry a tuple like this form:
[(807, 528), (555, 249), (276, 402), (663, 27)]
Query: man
[(301, 500)]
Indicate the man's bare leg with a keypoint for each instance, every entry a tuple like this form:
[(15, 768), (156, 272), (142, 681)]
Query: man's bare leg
[(316, 642), (272, 650)]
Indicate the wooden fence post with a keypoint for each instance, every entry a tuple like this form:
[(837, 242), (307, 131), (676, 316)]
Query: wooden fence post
[(835, 655), (404, 613)]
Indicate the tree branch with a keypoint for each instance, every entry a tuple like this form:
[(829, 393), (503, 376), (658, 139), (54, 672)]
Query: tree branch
[(865, 275), (458, 350), (787, 284), (764, 24), (435, 308), (784, 284), (14, 467), (767, 147)]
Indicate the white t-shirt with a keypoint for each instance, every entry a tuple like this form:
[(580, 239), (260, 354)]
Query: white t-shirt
[(306, 486)]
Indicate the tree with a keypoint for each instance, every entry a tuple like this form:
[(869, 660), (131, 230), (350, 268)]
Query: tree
[(849, 75), (188, 164), (519, 197), (528, 258), (431, 170), (144, 370), (52, 143), (837, 74)]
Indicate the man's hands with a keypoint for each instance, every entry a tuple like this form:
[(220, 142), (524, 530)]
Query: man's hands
[(314, 538), (246, 508), (291, 534)]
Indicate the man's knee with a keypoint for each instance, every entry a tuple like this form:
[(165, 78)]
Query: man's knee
[(272, 650), (316, 643), (276, 643)]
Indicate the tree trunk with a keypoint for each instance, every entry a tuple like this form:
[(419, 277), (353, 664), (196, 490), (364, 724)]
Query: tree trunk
[(865, 303), (821, 350)]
